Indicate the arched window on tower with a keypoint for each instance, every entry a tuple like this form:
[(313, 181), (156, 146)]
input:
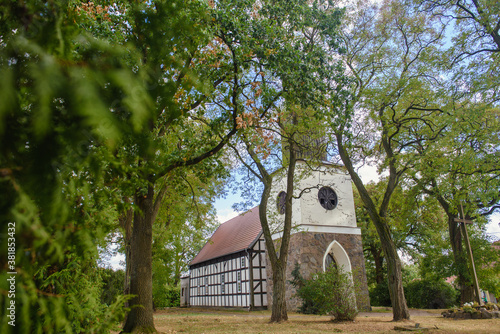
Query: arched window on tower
[(335, 255), (330, 262)]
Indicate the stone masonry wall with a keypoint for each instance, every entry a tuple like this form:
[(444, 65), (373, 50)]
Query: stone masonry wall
[(307, 249)]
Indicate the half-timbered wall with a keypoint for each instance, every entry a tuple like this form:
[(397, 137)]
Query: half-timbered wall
[(259, 276), (225, 281)]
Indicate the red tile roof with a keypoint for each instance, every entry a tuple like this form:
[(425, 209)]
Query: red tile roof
[(235, 235)]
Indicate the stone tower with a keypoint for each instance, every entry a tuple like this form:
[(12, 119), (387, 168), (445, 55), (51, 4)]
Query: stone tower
[(324, 226)]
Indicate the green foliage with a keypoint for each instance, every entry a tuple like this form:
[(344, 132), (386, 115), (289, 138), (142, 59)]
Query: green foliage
[(331, 292), (166, 296), (184, 221), (474, 43), (81, 288), (410, 272), (112, 285), (308, 306), (289, 51), (100, 102), (487, 265), (67, 99), (434, 139), (439, 142), (437, 261), (430, 294), (419, 293), (417, 226), (379, 294), (469, 307), (75, 306)]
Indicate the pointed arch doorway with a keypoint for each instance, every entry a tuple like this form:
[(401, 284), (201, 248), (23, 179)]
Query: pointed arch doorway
[(336, 255)]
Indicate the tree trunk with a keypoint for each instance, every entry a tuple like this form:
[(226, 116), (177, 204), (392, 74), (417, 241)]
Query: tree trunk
[(460, 259), (378, 259), (140, 317), (278, 263), (278, 310), (126, 223), (394, 275)]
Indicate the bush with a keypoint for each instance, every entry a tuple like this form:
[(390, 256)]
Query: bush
[(78, 283), (492, 306), (431, 294), (379, 294), (112, 285), (167, 296), (298, 282), (330, 292)]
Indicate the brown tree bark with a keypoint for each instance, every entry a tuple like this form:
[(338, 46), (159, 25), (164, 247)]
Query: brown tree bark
[(278, 264), (459, 257), (379, 263), (395, 277), (140, 317), (278, 309)]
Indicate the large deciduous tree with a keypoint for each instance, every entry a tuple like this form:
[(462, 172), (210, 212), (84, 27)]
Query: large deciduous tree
[(307, 52), (461, 170), (393, 103), (186, 218), (467, 173), (128, 96), (268, 151), (106, 90), (181, 131), (247, 48)]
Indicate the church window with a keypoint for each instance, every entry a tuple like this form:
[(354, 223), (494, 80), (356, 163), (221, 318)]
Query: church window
[(243, 262), (239, 281), (222, 285), (206, 285), (330, 262), (327, 198), (281, 202)]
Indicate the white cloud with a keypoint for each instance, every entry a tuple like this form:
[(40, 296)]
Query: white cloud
[(493, 227), (225, 213), (116, 262), (368, 173)]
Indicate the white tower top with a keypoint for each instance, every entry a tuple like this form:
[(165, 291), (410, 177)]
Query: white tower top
[(323, 200)]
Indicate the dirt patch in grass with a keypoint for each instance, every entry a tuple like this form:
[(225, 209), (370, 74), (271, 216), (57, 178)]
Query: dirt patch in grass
[(239, 321)]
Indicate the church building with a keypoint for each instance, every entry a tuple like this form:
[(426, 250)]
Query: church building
[(232, 268)]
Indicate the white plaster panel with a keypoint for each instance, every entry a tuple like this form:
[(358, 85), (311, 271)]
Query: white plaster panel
[(307, 210), (256, 274)]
